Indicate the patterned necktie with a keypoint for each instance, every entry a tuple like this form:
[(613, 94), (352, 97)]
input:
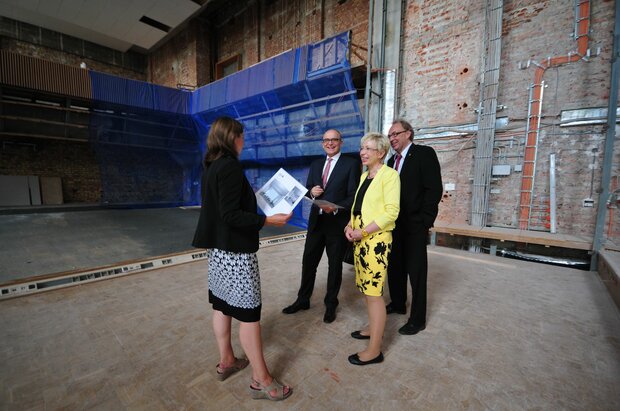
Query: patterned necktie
[(397, 162), (326, 172)]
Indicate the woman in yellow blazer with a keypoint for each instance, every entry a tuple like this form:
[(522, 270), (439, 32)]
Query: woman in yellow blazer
[(374, 212)]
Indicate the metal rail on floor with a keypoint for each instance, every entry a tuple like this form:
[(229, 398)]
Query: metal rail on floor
[(32, 285)]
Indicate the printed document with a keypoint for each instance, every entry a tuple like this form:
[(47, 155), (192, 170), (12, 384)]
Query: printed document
[(280, 194)]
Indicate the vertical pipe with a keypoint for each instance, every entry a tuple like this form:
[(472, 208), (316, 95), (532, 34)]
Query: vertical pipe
[(552, 202), (371, 14), (609, 143)]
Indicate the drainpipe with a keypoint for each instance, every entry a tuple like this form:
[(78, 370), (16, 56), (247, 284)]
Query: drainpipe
[(535, 108)]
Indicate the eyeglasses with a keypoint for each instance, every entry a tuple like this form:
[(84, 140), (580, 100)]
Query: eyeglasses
[(396, 133), (368, 149), (330, 140)]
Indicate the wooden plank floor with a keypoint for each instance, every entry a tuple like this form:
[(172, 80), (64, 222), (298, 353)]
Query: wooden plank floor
[(519, 236), (502, 335)]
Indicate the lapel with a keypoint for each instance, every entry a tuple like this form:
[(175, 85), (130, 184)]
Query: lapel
[(408, 160)]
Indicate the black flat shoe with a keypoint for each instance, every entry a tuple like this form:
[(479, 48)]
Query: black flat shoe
[(359, 336), (296, 306), (355, 359), (410, 329)]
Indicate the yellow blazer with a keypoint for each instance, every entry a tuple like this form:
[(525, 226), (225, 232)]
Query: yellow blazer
[(381, 203)]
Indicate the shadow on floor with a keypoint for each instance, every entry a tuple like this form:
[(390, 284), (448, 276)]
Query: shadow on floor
[(52, 240)]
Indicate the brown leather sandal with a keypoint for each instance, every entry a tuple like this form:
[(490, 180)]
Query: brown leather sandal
[(263, 392)]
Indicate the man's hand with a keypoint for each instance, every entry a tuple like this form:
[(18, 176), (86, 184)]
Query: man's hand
[(328, 209), (316, 191)]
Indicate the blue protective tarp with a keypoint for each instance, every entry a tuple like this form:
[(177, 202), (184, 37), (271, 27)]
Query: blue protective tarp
[(138, 94), (150, 139)]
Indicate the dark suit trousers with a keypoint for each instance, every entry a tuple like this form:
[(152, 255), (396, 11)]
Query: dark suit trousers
[(317, 240), (409, 257)]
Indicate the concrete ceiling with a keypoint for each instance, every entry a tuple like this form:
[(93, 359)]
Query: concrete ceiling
[(112, 23)]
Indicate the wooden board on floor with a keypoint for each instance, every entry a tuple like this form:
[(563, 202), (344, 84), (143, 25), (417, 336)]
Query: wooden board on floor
[(519, 236)]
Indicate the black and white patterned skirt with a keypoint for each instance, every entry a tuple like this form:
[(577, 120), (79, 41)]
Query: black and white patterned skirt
[(234, 284)]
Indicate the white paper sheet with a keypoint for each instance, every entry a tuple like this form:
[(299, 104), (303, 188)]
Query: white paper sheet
[(280, 194)]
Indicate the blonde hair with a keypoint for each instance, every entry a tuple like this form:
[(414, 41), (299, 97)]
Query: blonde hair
[(382, 142)]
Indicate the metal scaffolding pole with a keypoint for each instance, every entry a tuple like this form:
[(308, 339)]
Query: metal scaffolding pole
[(610, 138)]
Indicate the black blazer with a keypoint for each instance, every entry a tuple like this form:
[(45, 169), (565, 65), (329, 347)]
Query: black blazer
[(340, 189), (228, 219), (420, 189)]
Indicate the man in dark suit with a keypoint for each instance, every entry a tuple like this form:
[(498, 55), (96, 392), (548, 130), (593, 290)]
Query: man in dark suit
[(333, 178), (421, 191)]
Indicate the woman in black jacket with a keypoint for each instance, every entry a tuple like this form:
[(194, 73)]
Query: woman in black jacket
[(228, 227)]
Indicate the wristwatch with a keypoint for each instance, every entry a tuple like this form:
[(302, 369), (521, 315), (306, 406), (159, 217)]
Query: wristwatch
[(364, 233)]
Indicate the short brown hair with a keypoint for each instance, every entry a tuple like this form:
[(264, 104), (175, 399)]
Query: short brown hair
[(221, 138)]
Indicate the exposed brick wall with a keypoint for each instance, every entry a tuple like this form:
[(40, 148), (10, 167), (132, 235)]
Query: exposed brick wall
[(204, 66), (455, 157), (238, 35), (441, 61), (75, 164), (175, 62), (350, 15), (257, 31), (444, 37)]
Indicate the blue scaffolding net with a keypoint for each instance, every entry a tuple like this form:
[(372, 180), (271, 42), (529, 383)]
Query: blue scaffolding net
[(151, 139)]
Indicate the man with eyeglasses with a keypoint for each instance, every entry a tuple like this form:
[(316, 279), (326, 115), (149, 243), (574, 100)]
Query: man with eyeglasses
[(333, 178), (421, 191)]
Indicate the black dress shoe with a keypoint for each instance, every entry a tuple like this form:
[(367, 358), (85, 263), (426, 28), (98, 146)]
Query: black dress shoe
[(410, 329), (391, 309), (359, 336), (330, 315), (355, 359), (296, 306)]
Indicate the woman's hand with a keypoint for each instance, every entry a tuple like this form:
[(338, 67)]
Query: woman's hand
[(348, 233), (278, 220)]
